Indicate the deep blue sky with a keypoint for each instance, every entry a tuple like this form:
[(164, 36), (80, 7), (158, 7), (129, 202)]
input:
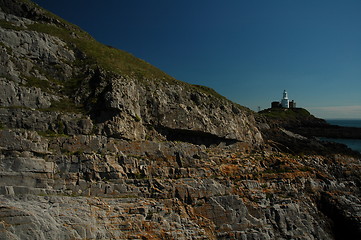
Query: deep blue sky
[(247, 50)]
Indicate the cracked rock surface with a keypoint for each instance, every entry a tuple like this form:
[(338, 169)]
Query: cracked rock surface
[(89, 152)]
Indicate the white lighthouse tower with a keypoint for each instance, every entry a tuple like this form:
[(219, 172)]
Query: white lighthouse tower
[(285, 103)]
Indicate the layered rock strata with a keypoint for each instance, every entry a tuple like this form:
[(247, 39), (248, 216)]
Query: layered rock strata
[(88, 152), (95, 187)]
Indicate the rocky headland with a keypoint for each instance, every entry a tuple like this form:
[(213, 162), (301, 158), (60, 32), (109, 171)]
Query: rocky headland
[(97, 144), (298, 124), (299, 120)]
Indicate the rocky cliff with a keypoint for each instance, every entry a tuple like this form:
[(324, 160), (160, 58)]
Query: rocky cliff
[(53, 68), (97, 144)]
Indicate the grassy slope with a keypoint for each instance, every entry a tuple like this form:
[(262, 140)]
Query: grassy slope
[(96, 54), (108, 58), (286, 114)]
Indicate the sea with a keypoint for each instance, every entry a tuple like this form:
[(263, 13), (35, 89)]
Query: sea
[(354, 144)]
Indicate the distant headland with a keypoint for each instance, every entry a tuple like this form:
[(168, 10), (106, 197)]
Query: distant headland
[(285, 115)]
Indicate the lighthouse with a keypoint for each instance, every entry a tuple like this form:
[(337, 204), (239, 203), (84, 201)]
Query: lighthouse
[(285, 103)]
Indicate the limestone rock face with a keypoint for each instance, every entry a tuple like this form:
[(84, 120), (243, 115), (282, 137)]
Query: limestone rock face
[(182, 109), (93, 150), (15, 95), (172, 110)]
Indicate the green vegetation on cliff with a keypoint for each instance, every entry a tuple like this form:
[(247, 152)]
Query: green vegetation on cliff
[(90, 55), (286, 113), (108, 58), (96, 54)]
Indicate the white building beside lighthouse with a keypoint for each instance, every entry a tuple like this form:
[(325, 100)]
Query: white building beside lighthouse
[(285, 103)]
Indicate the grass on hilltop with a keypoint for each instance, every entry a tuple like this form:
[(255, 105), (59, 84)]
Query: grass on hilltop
[(97, 54), (109, 58), (112, 59), (286, 113)]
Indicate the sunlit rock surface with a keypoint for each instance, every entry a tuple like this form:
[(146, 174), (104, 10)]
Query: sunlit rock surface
[(88, 152)]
